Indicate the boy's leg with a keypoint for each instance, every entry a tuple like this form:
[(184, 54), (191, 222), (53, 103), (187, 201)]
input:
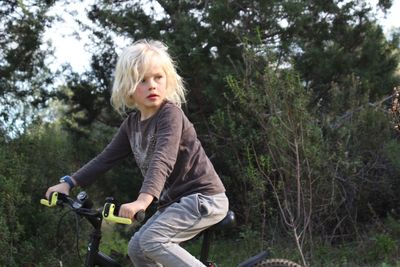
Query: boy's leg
[(179, 222), (135, 252)]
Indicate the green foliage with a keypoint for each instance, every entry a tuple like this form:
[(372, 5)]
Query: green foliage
[(324, 171), (376, 247), (383, 244), (384, 247), (115, 243), (392, 150), (28, 166), (286, 144), (245, 244)]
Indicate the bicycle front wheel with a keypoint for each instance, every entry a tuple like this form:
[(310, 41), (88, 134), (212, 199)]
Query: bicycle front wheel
[(276, 263)]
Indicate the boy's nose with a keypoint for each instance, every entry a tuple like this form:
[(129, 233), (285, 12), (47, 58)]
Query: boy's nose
[(152, 84)]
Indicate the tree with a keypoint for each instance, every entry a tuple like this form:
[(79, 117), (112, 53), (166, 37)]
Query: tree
[(336, 40), (24, 77), (326, 42)]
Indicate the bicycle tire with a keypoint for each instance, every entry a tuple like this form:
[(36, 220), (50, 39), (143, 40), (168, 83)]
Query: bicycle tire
[(276, 263)]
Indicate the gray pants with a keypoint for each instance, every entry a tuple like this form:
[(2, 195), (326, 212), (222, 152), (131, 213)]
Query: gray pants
[(157, 241)]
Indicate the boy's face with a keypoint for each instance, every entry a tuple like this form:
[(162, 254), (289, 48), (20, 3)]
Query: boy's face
[(151, 92)]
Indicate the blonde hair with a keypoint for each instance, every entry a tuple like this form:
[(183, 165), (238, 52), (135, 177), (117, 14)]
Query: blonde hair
[(131, 67)]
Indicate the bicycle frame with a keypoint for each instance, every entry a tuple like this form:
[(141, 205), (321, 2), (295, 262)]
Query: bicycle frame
[(227, 222), (83, 207), (94, 256)]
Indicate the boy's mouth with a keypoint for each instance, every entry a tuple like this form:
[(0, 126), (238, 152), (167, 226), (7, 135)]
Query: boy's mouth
[(152, 96)]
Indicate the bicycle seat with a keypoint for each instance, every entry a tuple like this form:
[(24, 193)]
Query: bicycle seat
[(227, 222)]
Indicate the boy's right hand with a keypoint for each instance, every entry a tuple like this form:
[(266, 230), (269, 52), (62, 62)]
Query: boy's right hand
[(60, 188)]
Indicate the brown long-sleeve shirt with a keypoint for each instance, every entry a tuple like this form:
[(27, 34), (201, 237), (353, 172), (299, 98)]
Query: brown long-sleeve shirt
[(167, 151)]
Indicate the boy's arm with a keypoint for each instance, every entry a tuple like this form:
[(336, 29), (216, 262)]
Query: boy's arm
[(169, 132), (117, 149)]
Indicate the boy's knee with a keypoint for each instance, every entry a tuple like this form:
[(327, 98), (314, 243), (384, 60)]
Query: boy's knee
[(134, 247), (150, 244), (143, 248)]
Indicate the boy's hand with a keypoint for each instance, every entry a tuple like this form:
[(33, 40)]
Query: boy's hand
[(61, 188), (128, 210)]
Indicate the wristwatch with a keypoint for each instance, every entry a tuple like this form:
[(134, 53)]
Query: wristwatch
[(67, 179)]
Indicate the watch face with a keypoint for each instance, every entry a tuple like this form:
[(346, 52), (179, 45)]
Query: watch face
[(82, 196)]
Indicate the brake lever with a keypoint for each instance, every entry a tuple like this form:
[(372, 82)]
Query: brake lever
[(52, 201), (108, 214), (56, 198), (111, 209)]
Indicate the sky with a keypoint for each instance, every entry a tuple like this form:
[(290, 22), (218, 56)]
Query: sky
[(391, 19), (70, 50)]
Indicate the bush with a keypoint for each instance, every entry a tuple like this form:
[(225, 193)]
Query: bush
[(28, 165)]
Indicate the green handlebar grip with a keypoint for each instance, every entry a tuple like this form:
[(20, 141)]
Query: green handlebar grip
[(108, 215), (52, 202)]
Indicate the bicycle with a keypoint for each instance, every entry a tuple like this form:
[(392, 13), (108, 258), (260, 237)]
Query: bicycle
[(83, 207)]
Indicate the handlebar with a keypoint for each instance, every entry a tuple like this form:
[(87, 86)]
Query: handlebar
[(83, 206)]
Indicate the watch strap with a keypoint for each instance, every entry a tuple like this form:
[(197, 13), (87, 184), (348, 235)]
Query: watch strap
[(67, 179)]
